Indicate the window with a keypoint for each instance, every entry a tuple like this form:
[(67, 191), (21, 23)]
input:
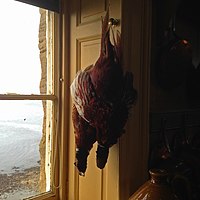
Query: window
[(28, 101)]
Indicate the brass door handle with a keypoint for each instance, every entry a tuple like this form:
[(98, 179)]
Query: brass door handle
[(114, 22)]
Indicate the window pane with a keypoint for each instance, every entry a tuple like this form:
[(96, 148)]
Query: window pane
[(24, 168), (23, 49)]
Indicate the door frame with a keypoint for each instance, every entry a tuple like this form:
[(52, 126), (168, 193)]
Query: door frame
[(134, 145)]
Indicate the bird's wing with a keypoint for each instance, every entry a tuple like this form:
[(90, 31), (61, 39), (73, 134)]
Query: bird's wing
[(89, 106), (82, 92)]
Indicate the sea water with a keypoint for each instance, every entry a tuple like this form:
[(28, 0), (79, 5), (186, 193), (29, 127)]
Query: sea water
[(20, 134)]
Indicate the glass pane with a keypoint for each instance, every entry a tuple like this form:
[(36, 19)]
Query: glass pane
[(24, 168), (23, 49)]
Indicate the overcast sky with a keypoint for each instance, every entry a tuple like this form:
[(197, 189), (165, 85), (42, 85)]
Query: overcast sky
[(19, 54)]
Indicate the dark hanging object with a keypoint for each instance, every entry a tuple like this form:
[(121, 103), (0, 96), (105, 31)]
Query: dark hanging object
[(52, 5), (174, 59)]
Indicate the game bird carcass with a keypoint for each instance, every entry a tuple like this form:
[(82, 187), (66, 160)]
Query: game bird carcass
[(102, 95)]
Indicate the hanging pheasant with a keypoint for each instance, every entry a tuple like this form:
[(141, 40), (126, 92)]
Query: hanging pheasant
[(102, 97)]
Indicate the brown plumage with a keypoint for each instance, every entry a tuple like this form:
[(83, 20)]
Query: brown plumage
[(102, 96)]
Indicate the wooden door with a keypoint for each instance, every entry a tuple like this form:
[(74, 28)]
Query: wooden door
[(85, 35)]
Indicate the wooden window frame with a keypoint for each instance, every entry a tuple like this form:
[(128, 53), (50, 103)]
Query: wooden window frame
[(58, 190), (52, 5)]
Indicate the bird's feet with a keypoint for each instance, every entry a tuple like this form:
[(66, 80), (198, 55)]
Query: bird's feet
[(101, 156), (81, 160)]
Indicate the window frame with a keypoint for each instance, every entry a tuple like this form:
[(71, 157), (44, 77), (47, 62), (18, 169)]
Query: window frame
[(52, 5), (56, 98)]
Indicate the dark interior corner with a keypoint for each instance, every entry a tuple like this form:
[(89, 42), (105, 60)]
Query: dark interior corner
[(175, 91)]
